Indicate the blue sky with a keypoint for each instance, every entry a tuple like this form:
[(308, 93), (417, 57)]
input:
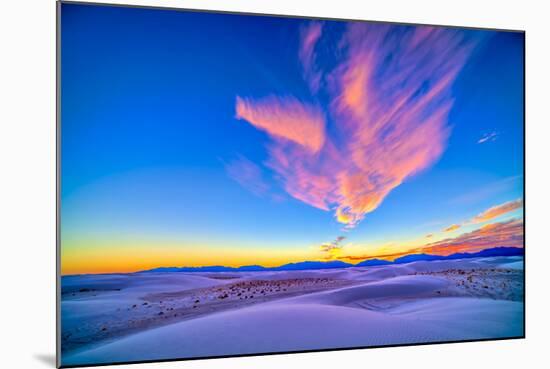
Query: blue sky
[(149, 127)]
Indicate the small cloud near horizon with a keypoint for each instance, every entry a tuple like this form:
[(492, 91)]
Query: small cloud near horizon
[(333, 248), (452, 228)]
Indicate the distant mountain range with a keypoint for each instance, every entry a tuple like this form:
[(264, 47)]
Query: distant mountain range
[(309, 265)]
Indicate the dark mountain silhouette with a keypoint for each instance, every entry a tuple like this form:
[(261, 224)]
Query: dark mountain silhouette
[(373, 262), (500, 251), (496, 251), (251, 268), (212, 268), (306, 265), (310, 265), (418, 257)]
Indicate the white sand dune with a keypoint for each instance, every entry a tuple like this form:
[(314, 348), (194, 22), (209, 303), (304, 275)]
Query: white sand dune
[(398, 287), (104, 299), (388, 271), (395, 304), (519, 265), (288, 327)]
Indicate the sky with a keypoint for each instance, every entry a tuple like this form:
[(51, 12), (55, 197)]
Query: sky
[(192, 139)]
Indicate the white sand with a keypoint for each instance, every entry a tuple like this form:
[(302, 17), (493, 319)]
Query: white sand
[(390, 305)]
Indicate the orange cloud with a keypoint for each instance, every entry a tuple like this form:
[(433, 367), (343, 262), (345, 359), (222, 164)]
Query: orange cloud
[(389, 98), (286, 118), (451, 228), (508, 233), (498, 210), (429, 235)]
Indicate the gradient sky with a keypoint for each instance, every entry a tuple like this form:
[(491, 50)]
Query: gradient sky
[(214, 139)]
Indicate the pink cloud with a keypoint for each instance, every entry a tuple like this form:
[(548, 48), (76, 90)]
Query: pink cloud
[(285, 117), (508, 233), (498, 210), (389, 98), (309, 37)]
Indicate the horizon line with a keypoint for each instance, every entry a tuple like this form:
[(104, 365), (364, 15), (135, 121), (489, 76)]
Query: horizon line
[(377, 257)]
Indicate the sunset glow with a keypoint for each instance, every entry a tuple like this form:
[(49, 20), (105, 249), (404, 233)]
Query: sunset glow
[(316, 141)]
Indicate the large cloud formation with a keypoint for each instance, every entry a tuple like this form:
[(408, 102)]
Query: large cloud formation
[(388, 96)]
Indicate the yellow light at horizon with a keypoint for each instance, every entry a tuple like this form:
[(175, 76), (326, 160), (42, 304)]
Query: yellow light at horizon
[(92, 256), (126, 258)]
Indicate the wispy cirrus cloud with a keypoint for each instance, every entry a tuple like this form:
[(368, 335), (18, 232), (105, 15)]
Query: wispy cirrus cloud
[(488, 137), (248, 175), (490, 189), (497, 211), (489, 214), (310, 35), (389, 91), (285, 118)]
